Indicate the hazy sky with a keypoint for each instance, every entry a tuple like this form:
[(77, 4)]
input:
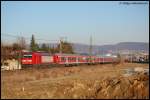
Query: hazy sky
[(107, 22)]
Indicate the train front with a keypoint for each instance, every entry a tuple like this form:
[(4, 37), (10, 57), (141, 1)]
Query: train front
[(26, 58)]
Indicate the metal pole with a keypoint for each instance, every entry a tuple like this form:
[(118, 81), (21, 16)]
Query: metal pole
[(19, 52), (49, 49), (18, 59), (131, 56), (103, 55), (65, 39), (90, 48), (60, 47)]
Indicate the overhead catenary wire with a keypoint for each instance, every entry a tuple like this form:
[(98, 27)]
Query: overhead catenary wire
[(36, 39), (15, 36)]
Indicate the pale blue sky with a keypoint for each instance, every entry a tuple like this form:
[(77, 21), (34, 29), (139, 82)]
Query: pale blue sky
[(107, 22)]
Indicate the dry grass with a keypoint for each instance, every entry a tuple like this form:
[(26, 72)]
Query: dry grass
[(41, 83)]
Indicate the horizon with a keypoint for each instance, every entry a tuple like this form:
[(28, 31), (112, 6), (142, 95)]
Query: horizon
[(4, 43), (107, 22)]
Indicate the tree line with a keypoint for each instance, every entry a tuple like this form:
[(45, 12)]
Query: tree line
[(12, 51), (66, 47)]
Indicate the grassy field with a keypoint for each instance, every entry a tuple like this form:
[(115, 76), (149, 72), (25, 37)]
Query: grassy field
[(60, 82)]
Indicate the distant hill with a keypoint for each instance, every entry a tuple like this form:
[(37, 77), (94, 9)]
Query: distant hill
[(133, 46), (81, 48), (97, 49)]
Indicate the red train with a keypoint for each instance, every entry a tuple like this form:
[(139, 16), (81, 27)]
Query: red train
[(41, 58)]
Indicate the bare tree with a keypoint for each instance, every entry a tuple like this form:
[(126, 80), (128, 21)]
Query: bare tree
[(6, 51), (21, 42), (2, 51)]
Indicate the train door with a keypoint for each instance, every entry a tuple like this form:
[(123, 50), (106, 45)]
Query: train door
[(77, 58), (56, 59), (36, 58), (67, 62)]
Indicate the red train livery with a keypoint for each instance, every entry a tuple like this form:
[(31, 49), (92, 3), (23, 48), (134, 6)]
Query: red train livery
[(34, 58), (37, 58)]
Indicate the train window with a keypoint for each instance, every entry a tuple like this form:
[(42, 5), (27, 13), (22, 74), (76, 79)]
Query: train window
[(87, 59), (27, 56), (63, 59), (69, 59), (74, 59), (79, 59)]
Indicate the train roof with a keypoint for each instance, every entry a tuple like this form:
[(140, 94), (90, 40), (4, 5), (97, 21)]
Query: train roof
[(40, 53), (64, 54)]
